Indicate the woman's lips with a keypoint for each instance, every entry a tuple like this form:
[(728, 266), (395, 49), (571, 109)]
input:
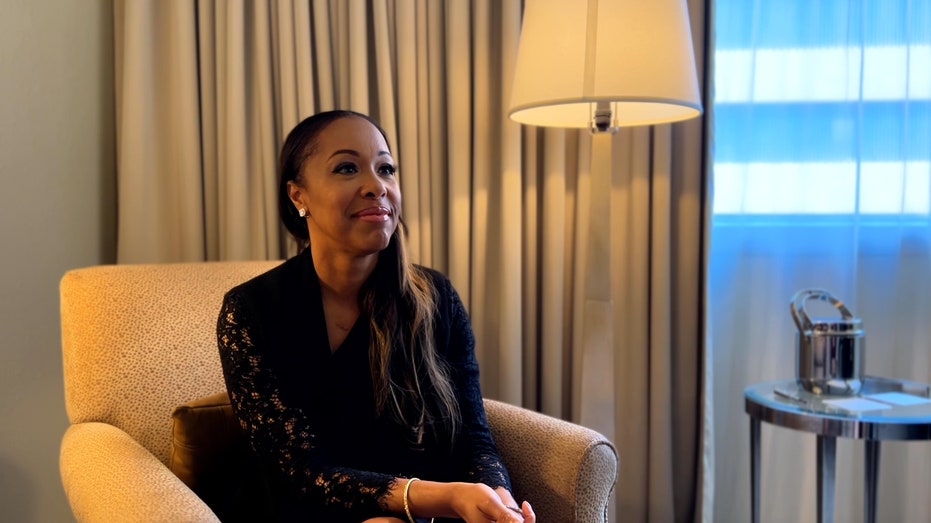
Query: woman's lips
[(373, 214)]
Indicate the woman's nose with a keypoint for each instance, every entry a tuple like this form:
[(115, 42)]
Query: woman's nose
[(374, 186)]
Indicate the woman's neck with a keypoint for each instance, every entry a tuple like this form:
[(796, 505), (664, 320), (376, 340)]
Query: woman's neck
[(341, 276)]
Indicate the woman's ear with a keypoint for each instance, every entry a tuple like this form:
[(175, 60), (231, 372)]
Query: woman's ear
[(296, 194)]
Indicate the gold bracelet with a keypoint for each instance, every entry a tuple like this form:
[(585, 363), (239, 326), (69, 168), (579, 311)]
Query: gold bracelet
[(407, 507)]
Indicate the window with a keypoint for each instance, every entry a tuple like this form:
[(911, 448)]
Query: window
[(822, 179), (822, 108)]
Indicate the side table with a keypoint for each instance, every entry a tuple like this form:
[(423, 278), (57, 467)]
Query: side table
[(786, 404)]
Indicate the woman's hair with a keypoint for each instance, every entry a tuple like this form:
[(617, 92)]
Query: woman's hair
[(399, 299)]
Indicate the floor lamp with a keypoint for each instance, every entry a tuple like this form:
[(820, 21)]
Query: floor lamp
[(601, 65)]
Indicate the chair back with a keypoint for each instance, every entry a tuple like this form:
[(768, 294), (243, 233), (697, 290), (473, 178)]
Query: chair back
[(139, 340)]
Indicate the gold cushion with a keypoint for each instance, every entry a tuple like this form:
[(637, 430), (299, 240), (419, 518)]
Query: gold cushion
[(210, 454)]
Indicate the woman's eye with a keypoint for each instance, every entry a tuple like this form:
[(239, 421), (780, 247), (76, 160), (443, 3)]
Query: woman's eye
[(387, 169), (345, 168)]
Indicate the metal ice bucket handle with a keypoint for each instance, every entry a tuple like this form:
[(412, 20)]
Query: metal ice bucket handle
[(797, 307)]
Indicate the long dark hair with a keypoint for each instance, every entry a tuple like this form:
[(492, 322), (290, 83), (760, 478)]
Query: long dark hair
[(399, 300)]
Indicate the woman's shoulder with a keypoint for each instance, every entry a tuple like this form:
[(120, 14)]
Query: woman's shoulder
[(274, 281), (441, 283), (448, 303), (434, 275)]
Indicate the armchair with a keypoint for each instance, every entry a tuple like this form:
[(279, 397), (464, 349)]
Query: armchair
[(139, 340)]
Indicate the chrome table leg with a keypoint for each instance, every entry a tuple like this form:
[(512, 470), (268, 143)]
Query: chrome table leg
[(872, 480), (827, 446), (755, 470)]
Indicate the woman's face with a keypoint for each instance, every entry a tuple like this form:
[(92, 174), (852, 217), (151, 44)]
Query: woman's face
[(349, 189)]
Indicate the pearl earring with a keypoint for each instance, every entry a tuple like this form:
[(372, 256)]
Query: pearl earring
[(302, 212)]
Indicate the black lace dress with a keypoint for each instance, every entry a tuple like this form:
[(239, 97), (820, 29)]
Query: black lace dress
[(310, 414)]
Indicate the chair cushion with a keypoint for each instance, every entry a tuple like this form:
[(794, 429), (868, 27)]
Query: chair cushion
[(210, 454)]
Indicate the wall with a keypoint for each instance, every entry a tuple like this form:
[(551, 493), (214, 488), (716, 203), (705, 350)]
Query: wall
[(57, 211)]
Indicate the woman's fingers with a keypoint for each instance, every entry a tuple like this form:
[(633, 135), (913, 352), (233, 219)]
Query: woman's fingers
[(527, 510), (512, 514)]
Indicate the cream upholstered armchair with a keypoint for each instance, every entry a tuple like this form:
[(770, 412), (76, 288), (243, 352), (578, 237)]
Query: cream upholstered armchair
[(139, 342)]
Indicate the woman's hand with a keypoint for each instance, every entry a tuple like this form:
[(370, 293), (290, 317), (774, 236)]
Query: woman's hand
[(525, 509), (472, 502), (478, 503)]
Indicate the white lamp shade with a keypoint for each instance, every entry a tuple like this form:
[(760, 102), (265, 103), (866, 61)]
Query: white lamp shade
[(635, 54)]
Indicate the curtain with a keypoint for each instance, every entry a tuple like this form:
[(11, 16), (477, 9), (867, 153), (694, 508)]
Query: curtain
[(592, 317), (822, 179)]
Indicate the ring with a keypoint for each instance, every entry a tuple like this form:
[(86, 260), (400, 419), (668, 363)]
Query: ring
[(515, 509)]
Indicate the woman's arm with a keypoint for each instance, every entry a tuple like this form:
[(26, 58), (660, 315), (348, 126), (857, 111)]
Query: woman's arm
[(476, 446)]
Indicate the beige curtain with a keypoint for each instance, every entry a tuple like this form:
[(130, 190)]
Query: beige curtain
[(581, 258)]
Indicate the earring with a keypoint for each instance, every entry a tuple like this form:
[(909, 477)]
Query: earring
[(302, 212)]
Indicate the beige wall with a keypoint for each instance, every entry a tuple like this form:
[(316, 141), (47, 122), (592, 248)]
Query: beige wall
[(57, 211)]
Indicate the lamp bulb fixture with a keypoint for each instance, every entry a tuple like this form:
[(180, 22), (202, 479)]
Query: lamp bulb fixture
[(602, 119)]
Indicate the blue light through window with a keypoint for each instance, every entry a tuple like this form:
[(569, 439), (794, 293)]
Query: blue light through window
[(822, 107)]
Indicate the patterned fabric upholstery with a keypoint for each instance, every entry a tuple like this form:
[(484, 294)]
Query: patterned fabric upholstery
[(139, 340), (566, 471)]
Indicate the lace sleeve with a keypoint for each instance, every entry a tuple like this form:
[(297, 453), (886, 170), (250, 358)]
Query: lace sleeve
[(284, 436), (483, 462)]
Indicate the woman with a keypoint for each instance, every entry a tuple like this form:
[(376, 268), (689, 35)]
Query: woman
[(352, 370)]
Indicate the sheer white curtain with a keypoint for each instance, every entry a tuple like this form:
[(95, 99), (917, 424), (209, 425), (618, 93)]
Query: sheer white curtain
[(822, 173), (208, 89)]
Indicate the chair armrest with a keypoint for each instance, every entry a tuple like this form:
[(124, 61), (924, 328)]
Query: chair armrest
[(566, 471), (109, 477)]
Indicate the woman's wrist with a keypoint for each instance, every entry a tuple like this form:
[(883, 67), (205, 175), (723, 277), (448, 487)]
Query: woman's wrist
[(406, 499), (416, 498), (433, 499), (422, 498)]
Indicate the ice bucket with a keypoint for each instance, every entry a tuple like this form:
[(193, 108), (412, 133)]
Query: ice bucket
[(828, 351)]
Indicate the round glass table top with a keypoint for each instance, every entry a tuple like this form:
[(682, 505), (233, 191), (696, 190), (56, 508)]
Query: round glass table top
[(884, 409)]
